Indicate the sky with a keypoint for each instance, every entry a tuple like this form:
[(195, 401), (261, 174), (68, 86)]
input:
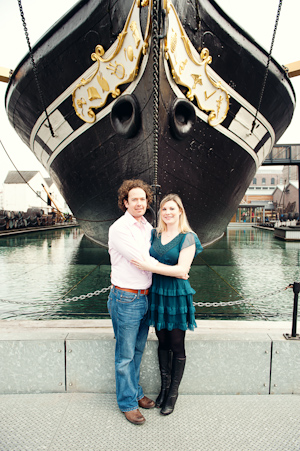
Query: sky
[(257, 17)]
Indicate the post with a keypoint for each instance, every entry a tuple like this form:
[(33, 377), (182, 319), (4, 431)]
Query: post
[(294, 335), (298, 191)]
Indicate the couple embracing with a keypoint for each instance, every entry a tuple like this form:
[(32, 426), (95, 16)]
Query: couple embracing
[(150, 287)]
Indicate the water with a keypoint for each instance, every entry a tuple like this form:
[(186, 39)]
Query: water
[(40, 268)]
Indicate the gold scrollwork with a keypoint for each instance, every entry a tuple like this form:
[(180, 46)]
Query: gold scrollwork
[(115, 93), (87, 97), (210, 94)]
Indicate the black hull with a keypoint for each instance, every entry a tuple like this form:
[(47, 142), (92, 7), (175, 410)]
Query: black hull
[(210, 167)]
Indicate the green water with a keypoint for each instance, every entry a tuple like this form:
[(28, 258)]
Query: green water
[(41, 268)]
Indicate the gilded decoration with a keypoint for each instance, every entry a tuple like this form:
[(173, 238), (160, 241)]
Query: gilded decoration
[(117, 66), (120, 65), (189, 69)]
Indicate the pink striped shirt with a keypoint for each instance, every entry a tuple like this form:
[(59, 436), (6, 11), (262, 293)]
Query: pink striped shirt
[(128, 239)]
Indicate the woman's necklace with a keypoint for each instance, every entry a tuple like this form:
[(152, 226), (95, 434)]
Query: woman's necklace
[(171, 234)]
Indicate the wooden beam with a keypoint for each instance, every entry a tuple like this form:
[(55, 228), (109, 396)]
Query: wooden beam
[(5, 74), (293, 69)]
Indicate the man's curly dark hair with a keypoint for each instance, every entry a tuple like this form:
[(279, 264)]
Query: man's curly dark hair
[(128, 185)]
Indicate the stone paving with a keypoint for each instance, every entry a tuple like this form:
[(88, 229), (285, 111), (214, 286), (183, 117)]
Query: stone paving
[(93, 422)]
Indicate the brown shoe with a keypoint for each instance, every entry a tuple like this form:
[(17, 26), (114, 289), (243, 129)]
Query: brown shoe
[(146, 403), (135, 417)]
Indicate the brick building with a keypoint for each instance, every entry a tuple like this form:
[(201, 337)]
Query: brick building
[(273, 190)]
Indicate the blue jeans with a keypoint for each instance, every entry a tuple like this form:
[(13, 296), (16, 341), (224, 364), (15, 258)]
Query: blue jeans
[(128, 312)]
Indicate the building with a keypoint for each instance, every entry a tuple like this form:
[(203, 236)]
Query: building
[(286, 198), (25, 189), (272, 192), (290, 173)]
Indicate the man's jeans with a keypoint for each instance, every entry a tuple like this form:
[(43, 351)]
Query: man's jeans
[(128, 312)]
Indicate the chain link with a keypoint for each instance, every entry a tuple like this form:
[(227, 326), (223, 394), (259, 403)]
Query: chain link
[(61, 301), (104, 290), (267, 66), (239, 302), (35, 71)]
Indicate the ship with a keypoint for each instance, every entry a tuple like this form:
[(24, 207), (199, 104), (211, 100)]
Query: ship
[(172, 92)]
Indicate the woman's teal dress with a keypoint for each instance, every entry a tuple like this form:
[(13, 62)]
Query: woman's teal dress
[(171, 299)]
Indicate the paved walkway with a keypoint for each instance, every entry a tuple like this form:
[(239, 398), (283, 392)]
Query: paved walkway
[(91, 421)]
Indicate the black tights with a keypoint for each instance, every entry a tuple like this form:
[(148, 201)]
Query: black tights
[(172, 340)]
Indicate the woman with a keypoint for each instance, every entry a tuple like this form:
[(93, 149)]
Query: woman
[(171, 309)]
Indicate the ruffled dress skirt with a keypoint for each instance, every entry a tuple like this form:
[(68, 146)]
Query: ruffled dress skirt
[(171, 304)]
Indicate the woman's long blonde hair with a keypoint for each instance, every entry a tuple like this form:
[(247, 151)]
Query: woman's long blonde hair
[(183, 225)]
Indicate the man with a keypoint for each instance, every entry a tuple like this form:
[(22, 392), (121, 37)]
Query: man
[(129, 237)]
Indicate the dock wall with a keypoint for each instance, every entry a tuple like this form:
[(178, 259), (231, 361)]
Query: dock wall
[(223, 357)]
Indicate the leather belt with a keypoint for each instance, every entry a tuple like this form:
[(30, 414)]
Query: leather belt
[(132, 291)]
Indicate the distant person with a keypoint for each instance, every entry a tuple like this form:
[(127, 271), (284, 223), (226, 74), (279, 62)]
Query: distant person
[(171, 308)]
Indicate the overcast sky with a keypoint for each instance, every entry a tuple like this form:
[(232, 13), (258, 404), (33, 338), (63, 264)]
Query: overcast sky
[(257, 17)]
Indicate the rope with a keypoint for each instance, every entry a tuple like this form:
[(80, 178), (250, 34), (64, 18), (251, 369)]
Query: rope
[(268, 64), (35, 72)]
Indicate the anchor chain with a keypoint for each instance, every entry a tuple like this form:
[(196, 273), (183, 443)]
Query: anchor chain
[(155, 44), (155, 49)]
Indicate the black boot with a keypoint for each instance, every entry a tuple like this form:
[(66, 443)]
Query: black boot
[(164, 359), (177, 373)]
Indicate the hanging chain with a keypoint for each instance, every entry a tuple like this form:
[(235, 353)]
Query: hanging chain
[(104, 290), (60, 301), (267, 66), (239, 302), (35, 71), (155, 47), (155, 33)]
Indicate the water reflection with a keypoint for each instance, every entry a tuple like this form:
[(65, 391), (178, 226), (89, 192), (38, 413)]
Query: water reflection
[(39, 268), (44, 267), (252, 263)]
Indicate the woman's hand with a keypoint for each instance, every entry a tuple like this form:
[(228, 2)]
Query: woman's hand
[(148, 266), (142, 265)]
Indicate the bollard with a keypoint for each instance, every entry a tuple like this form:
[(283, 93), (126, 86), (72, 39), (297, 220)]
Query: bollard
[(294, 335)]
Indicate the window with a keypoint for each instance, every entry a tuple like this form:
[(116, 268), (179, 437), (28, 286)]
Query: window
[(263, 182), (272, 181), (254, 181)]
